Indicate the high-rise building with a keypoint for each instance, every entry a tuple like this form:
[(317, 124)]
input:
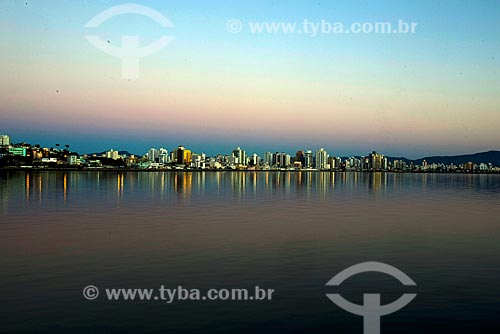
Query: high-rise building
[(4, 140), (179, 155), (153, 154), (300, 158), (238, 157), (308, 159), (268, 158), (424, 164), (187, 157), (163, 156), (376, 161), (198, 160), (321, 157), (399, 165), (275, 159), (365, 163), (335, 163), (288, 160), (255, 160), (173, 156), (353, 164), (112, 154), (281, 160), (469, 166), (72, 159)]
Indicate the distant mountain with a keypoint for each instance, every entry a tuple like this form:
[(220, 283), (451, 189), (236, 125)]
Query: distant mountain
[(486, 157), (408, 161)]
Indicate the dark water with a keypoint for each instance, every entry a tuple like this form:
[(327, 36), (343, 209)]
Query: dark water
[(288, 231)]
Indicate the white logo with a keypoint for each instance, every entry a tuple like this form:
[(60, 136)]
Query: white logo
[(371, 311), (234, 26), (90, 292), (130, 52)]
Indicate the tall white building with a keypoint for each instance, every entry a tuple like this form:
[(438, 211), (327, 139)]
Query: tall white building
[(238, 157), (198, 160), (112, 154), (255, 159), (288, 160), (163, 156), (321, 158), (268, 158), (152, 154), (72, 159), (282, 160), (4, 140)]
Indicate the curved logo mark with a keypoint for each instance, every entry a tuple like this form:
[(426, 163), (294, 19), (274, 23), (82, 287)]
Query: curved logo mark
[(130, 52), (371, 310)]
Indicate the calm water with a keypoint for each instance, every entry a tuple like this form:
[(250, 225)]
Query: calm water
[(289, 231)]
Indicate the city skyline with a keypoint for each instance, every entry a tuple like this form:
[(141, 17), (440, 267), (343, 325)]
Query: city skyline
[(28, 155), (6, 140)]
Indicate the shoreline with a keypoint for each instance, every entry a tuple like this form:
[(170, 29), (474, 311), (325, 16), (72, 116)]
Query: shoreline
[(19, 169)]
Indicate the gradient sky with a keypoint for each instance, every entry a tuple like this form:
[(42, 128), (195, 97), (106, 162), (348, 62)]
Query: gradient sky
[(433, 92)]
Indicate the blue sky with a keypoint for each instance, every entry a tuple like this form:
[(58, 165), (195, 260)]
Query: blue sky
[(432, 92)]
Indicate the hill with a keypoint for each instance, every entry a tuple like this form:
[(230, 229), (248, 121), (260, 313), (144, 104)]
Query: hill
[(486, 157)]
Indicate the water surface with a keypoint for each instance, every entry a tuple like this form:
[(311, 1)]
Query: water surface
[(60, 231)]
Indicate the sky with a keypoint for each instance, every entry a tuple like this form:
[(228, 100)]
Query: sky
[(434, 92)]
